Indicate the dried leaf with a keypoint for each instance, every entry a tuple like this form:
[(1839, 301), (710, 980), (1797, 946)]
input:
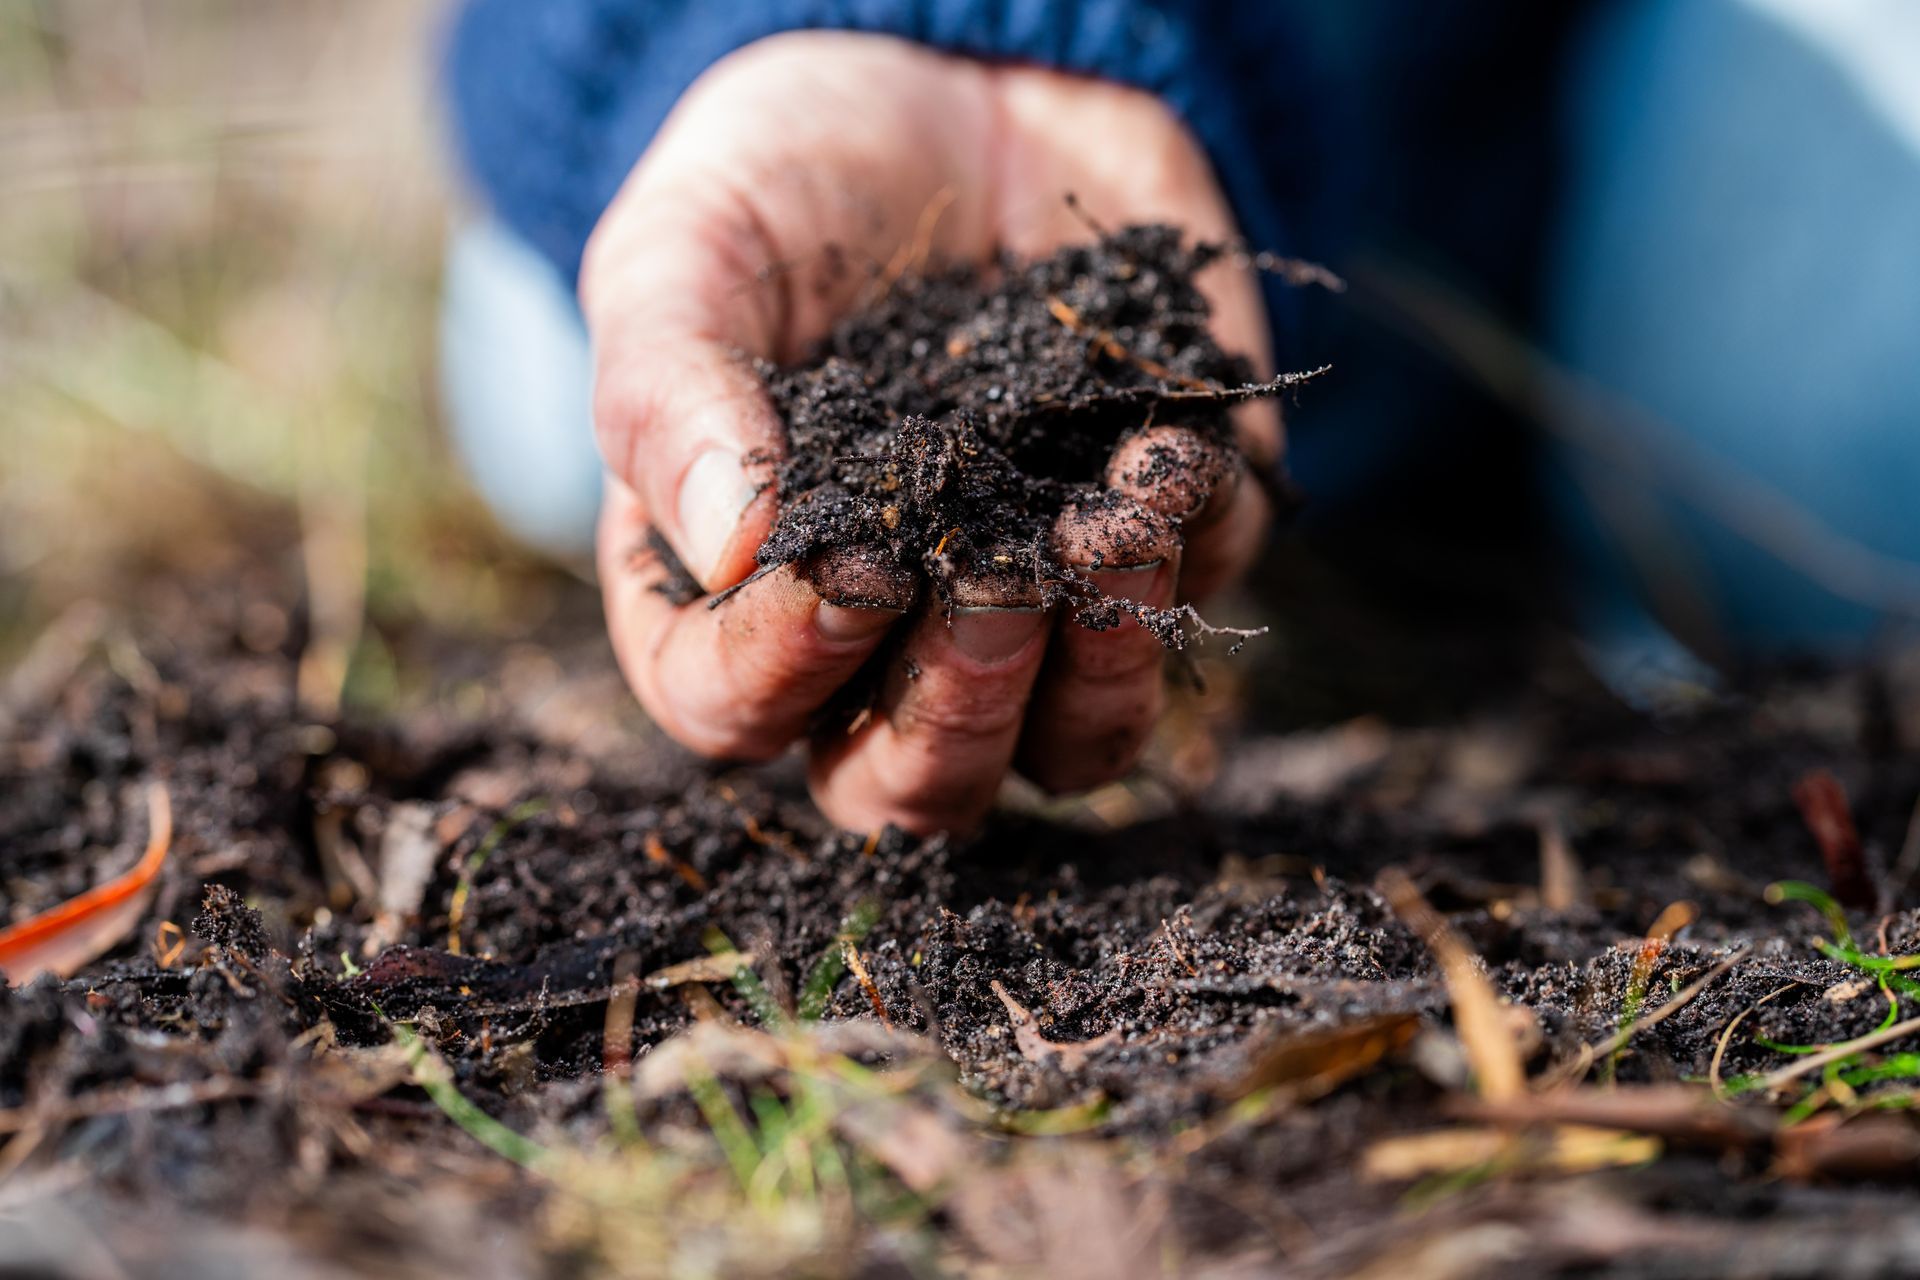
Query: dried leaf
[(921, 1149), (1309, 1064), (1877, 1147), (1484, 1027), (1823, 804), (741, 1054), (1314, 766), (1563, 885), (408, 852), (717, 967), (1563, 1149), (348, 1074)]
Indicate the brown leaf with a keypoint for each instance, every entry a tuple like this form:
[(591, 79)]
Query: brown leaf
[(1884, 1146), (1313, 1063), (1563, 885), (744, 1055), (922, 1149), (1485, 1030), (1823, 805), (347, 1074)]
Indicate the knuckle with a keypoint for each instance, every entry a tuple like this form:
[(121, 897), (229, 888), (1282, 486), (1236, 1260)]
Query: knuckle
[(1126, 656), (959, 720), (624, 400)]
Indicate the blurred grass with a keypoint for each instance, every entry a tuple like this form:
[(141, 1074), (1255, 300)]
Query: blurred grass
[(220, 235)]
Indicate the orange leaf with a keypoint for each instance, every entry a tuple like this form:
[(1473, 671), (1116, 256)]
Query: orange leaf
[(62, 939)]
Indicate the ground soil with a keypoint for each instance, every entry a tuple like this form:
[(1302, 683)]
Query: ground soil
[(489, 861), (1186, 941)]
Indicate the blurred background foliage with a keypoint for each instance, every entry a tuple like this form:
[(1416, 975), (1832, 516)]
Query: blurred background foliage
[(220, 230)]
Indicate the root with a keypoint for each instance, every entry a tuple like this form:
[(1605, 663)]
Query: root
[(1205, 395), (1297, 272)]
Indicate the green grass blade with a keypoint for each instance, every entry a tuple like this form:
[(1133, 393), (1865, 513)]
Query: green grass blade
[(817, 991)]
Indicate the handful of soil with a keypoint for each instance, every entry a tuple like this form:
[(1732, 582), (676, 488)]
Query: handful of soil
[(940, 434)]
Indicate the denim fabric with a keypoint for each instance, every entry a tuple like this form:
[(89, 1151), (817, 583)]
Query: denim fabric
[(517, 379), (1741, 264)]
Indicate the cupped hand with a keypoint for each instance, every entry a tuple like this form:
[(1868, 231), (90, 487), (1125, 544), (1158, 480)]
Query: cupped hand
[(785, 177)]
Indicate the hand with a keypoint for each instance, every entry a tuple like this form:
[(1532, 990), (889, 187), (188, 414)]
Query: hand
[(746, 230)]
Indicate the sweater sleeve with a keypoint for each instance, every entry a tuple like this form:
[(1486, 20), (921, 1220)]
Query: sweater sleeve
[(554, 101)]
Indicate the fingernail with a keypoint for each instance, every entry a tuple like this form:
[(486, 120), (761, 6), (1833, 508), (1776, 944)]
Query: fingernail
[(993, 635), (1138, 583), (713, 495), (844, 623)]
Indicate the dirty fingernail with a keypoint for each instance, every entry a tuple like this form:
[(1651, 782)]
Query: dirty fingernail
[(993, 635), (1138, 583), (849, 622), (713, 495)]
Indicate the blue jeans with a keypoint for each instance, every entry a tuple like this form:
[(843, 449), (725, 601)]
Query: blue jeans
[(516, 376), (1740, 262)]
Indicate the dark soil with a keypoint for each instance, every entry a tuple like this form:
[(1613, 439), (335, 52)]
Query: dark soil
[(940, 433), (1190, 941), (493, 861)]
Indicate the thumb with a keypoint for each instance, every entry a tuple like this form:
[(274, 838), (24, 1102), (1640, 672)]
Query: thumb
[(686, 425), (681, 416)]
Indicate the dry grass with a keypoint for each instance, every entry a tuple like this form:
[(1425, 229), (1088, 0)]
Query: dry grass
[(220, 231)]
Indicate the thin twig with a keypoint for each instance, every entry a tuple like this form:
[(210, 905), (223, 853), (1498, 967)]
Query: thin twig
[(123, 1102), (1909, 860), (1681, 999), (1726, 1038), (851, 953), (1813, 1062)]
